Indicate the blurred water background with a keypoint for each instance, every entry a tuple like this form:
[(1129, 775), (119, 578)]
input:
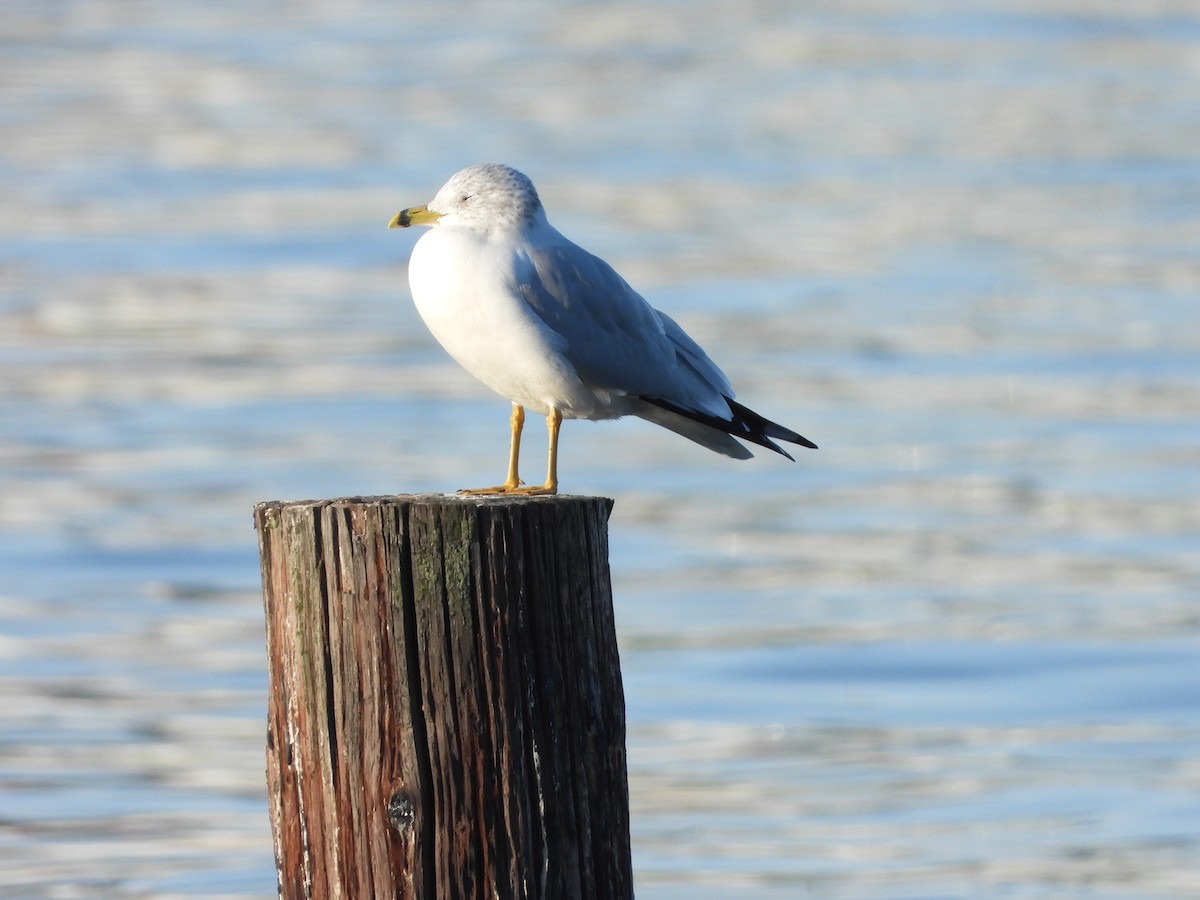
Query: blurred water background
[(953, 653)]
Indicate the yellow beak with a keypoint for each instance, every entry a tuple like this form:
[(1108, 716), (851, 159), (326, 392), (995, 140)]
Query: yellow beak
[(414, 215)]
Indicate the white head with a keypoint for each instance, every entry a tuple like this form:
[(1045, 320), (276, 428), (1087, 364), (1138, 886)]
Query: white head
[(485, 198)]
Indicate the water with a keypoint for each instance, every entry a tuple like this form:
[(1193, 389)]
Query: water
[(952, 653)]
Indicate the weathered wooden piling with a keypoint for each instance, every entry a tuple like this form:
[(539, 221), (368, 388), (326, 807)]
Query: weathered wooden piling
[(446, 717)]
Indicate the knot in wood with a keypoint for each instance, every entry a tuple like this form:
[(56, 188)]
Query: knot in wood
[(401, 811)]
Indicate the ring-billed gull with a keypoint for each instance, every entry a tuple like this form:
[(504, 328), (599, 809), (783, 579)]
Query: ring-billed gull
[(556, 330)]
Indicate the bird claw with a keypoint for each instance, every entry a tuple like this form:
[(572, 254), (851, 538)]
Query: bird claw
[(520, 488), (535, 489)]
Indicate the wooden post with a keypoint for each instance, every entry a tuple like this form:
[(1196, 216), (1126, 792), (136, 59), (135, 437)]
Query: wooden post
[(446, 717)]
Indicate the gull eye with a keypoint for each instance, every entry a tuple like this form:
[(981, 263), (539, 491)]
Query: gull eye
[(465, 198)]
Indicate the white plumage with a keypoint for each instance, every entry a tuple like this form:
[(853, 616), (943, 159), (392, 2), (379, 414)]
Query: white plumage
[(555, 329)]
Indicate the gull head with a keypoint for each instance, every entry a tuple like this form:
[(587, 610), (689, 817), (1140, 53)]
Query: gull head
[(483, 198)]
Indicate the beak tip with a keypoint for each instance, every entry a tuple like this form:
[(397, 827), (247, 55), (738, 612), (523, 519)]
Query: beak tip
[(414, 215)]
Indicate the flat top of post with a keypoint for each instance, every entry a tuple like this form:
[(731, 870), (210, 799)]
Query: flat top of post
[(438, 499)]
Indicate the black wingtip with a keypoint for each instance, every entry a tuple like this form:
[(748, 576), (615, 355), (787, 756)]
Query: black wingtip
[(759, 429), (744, 423)]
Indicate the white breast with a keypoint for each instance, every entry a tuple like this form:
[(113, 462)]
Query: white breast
[(464, 289)]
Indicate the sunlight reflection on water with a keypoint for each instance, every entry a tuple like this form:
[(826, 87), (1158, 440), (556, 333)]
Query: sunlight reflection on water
[(949, 654)]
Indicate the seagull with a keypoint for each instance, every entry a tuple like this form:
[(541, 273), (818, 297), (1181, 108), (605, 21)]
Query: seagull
[(556, 330)]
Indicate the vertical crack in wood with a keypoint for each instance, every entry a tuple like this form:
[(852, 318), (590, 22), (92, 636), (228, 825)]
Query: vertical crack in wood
[(438, 701), (319, 528), (411, 655), (302, 563), (484, 739)]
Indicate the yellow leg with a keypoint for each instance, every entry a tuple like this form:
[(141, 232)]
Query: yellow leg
[(513, 481), (517, 422), (512, 484), (553, 421)]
